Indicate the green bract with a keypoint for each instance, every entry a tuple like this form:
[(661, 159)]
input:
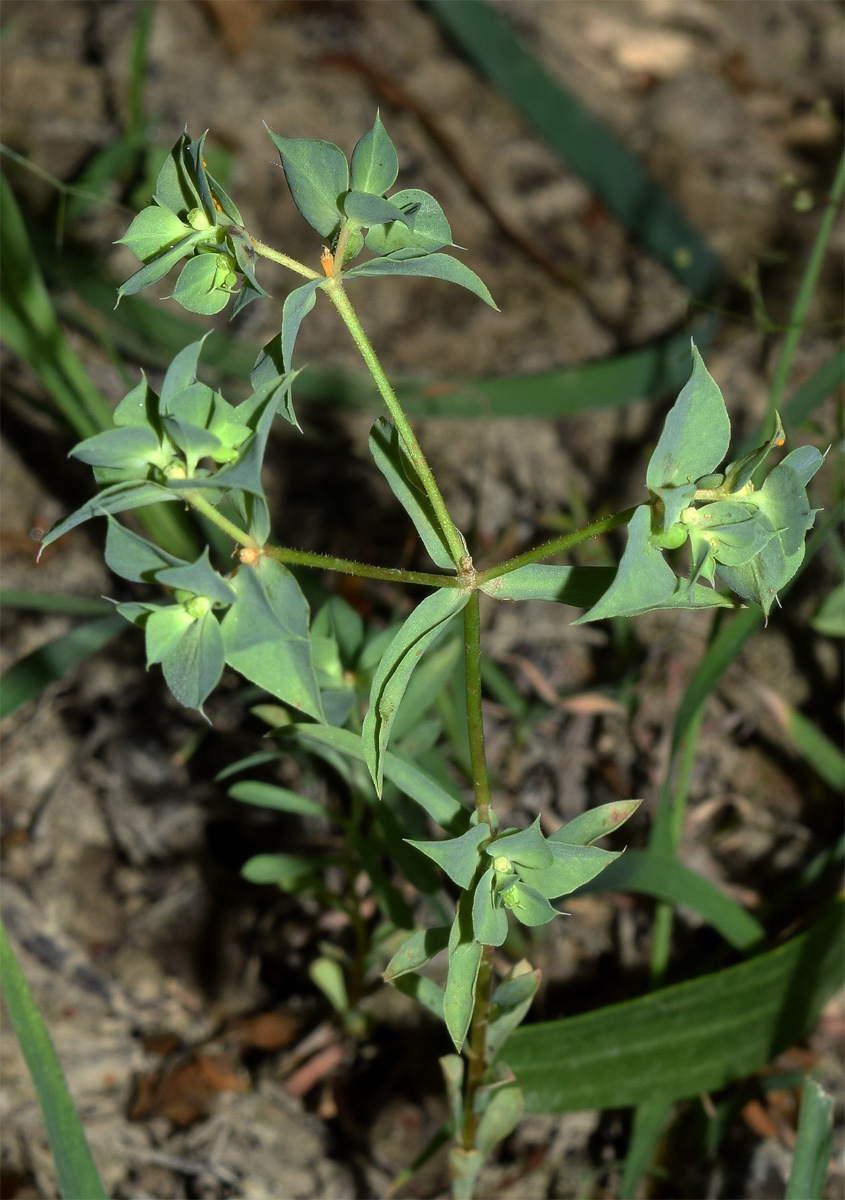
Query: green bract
[(751, 537)]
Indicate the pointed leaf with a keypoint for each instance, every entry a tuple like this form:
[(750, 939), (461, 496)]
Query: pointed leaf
[(804, 461), (297, 305), (375, 163), (489, 918), (181, 373), (458, 857), (175, 187), (459, 995), (432, 266), (511, 1001), (133, 557), (500, 1118), (287, 871), (644, 579), (365, 209), (394, 463), (138, 407), (430, 231), (192, 671), (115, 499), (527, 847), (158, 267), (265, 635), (200, 288), (595, 823), (416, 951), (738, 473), (201, 579), (696, 434), (425, 624), (317, 176), (164, 627), (153, 231), (131, 448), (572, 867), (578, 586), (528, 906)]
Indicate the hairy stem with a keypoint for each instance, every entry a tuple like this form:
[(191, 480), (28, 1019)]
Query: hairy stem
[(191, 496), (347, 566), (556, 546), (285, 260), (338, 297)]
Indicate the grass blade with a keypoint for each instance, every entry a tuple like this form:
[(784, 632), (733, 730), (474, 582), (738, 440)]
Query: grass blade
[(595, 154), (55, 602), (78, 1176), (661, 876), (811, 1157), (30, 675), (683, 1040)]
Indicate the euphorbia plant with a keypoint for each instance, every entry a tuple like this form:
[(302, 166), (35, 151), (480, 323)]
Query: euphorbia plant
[(187, 444)]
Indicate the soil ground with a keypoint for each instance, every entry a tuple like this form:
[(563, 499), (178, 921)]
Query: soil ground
[(203, 1060)]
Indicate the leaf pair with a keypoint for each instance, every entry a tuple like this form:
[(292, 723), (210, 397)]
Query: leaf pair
[(192, 218), (156, 448), (753, 539)]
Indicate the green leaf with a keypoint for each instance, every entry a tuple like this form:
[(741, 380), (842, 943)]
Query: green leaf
[(201, 286), (327, 974), (425, 624), (830, 618), (526, 847), (375, 163), (595, 823), (158, 267), (527, 905), (192, 670), (648, 1125), (432, 266), (581, 587), (416, 951), (459, 995), (265, 635), (572, 867), (489, 918), (267, 795), (115, 499), (733, 531), (132, 448), (684, 1040), (696, 434), (501, 1116), (645, 580), (26, 678), (75, 1167), (738, 473), (153, 231), (164, 627), (365, 209), (453, 1068), (511, 1001), (318, 176), (661, 875), (297, 305), (181, 373), (425, 991), (201, 579), (288, 871), (341, 621), (430, 230), (445, 809), (804, 461), (175, 187), (133, 557), (428, 681), (138, 407), (458, 857), (394, 463), (812, 1154)]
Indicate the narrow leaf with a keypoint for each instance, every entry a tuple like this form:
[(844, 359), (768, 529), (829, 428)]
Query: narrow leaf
[(267, 795), (416, 951), (581, 587), (458, 857), (29, 676), (75, 1167), (392, 460), (595, 823), (426, 623), (812, 1155), (432, 266)]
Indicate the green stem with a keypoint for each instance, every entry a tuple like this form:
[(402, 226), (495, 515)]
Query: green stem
[(798, 316), (285, 260), (346, 566), (339, 298), (472, 662), (192, 497), (556, 546)]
